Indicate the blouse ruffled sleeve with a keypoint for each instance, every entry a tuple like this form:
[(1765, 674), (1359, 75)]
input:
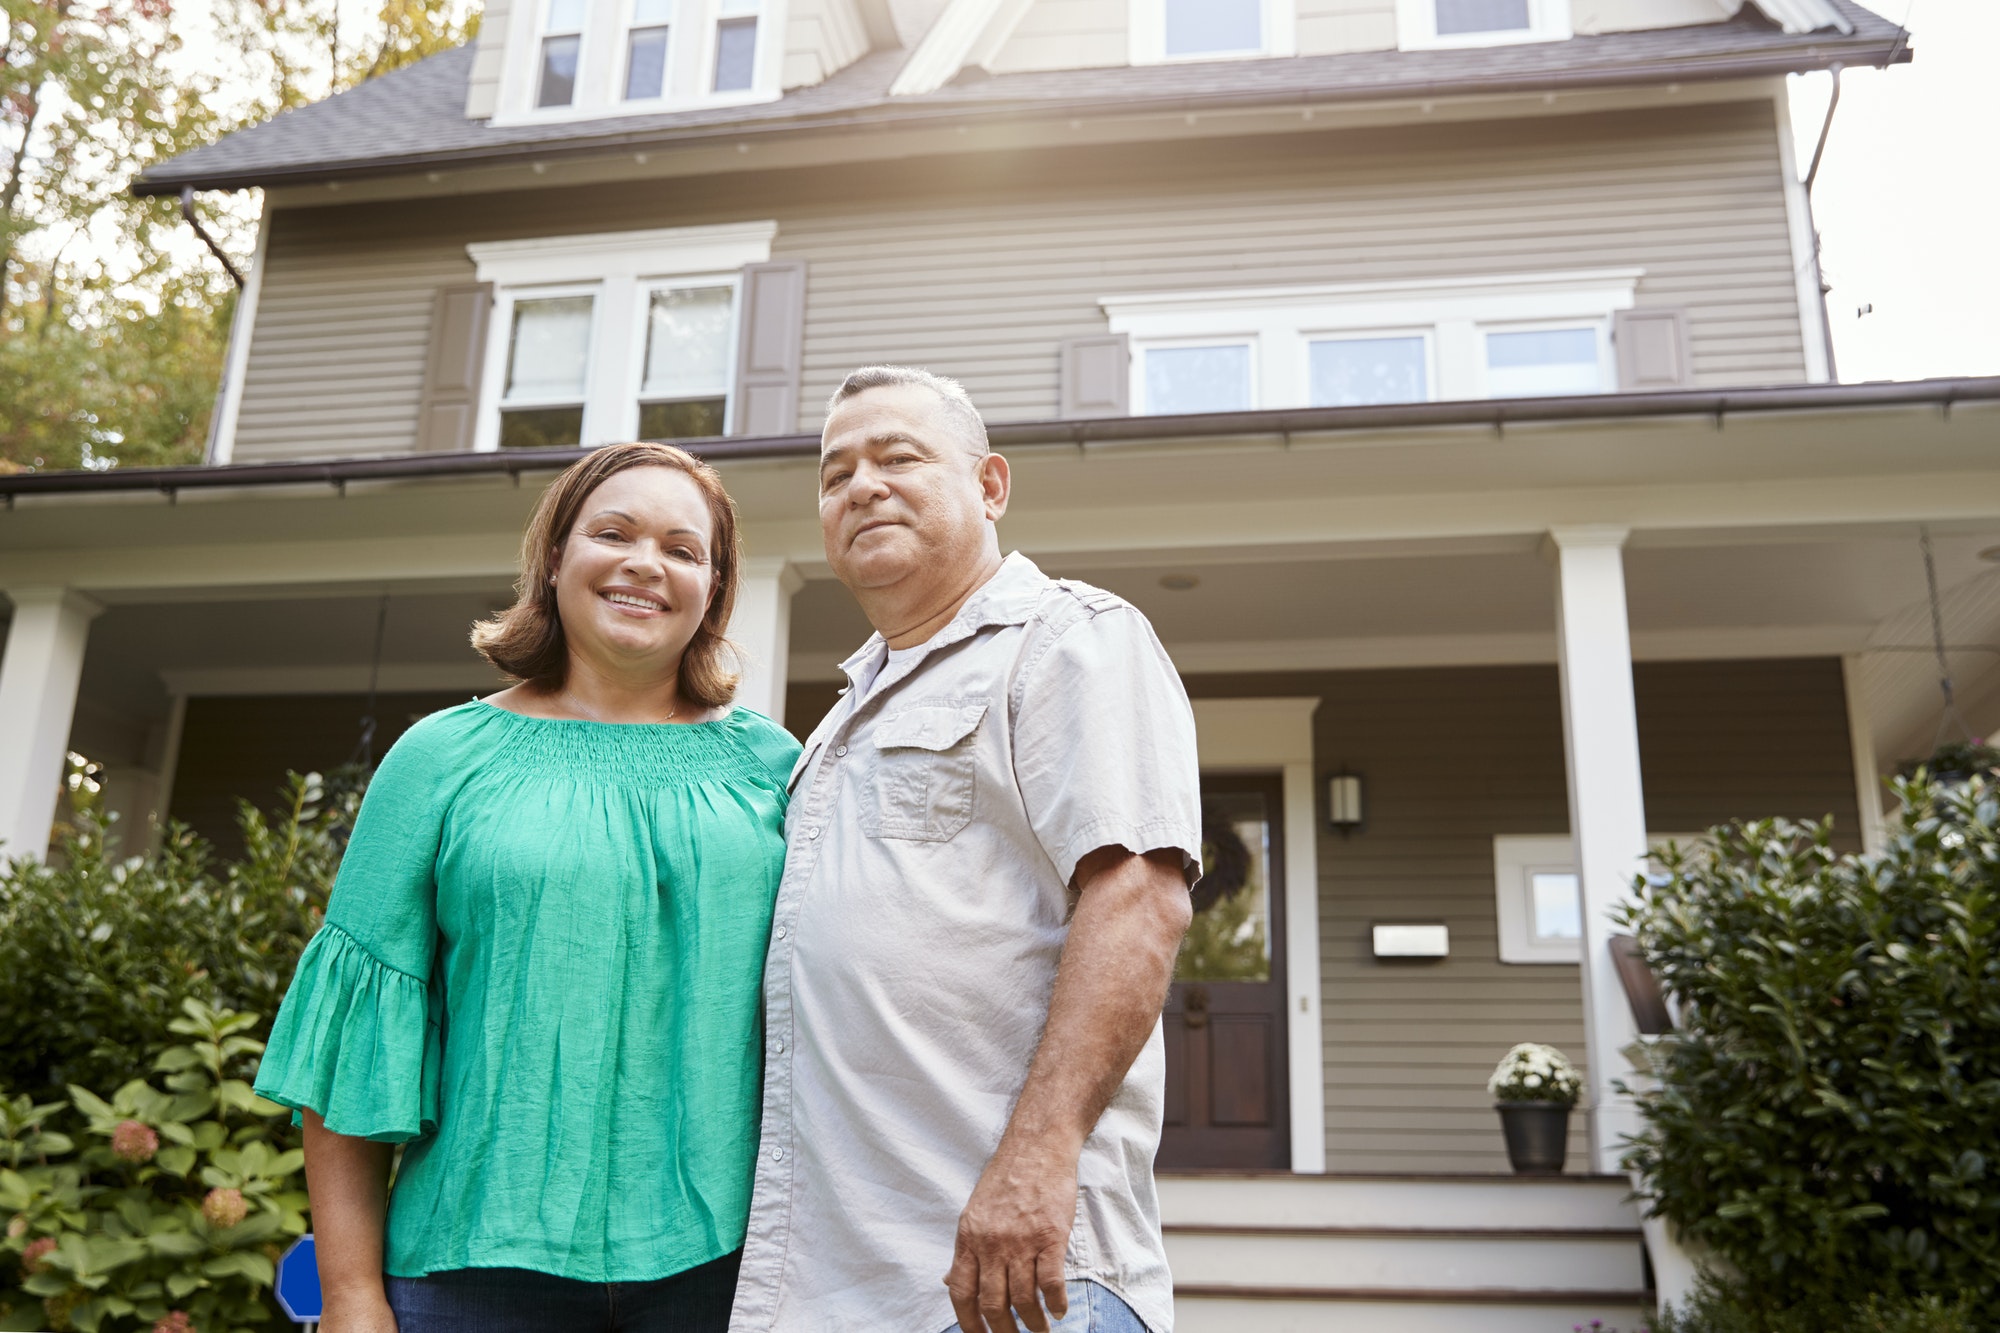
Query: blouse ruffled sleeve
[(358, 1037)]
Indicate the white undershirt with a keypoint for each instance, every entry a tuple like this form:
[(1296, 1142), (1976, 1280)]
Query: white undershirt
[(864, 689)]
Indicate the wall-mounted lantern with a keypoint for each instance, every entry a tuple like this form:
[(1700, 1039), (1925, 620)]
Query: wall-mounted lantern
[(1344, 808)]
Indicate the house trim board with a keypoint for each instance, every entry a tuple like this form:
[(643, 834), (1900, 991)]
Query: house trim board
[(236, 359), (1861, 742), (1813, 332), (1262, 734)]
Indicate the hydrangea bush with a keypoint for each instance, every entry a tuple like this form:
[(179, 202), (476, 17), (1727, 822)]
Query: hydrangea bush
[(1532, 1072)]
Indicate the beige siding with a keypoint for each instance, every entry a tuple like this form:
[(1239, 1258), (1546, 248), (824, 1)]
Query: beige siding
[(821, 37), (1067, 34), (482, 93), (1453, 757), (1630, 15), (1330, 27), (979, 266)]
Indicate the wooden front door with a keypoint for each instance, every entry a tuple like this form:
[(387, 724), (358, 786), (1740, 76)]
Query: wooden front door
[(1228, 1100)]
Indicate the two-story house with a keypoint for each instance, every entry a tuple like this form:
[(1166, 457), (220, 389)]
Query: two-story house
[(1449, 380)]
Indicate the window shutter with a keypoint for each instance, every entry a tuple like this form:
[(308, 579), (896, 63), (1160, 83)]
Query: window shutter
[(452, 366), (770, 348), (1652, 346), (1095, 377)]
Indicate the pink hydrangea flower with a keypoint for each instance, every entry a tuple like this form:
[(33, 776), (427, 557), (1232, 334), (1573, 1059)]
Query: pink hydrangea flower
[(224, 1207), (176, 1322), (31, 1258), (134, 1142)]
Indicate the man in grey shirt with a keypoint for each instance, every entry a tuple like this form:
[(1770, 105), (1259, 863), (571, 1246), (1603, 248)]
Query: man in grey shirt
[(990, 843)]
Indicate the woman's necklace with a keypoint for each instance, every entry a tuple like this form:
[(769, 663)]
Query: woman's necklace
[(570, 700)]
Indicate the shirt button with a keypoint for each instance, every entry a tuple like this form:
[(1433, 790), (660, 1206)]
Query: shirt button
[(777, 1154), (781, 932), (840, 749), (812, 833), (779, 1048)]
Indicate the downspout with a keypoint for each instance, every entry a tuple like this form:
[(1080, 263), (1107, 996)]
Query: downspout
[(187, 211), (1812, 174)]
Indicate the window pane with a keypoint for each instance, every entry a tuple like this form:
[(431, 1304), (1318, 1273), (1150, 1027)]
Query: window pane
[(549, 348), (1197, 379), (1544, 361), (1481, 16), (691, 419), (1347, 372), (646, 64), (735, 54), (1229, 939), (567, 15), (687, 342), (1203, 27), (652, 13), (541, 427), (1557, 904), (558, 71), (738, 8)]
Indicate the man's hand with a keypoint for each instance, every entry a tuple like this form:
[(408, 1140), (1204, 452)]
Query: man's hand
[(1012, 1238)]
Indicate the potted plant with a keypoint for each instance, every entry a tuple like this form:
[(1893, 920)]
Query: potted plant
[(1957, 762), (1534, 1089)]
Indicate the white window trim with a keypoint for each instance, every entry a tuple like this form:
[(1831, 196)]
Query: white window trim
[(1518, 856), (600, 69), (1607, 357), (1416, 27), (1456, 310), (619, 269), (642, 308), (1148, 28)]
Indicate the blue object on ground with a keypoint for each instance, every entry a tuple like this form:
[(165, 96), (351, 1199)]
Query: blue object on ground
[(297, 1287)]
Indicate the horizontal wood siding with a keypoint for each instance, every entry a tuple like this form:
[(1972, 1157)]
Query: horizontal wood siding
[(979, 266), (1453, 757)]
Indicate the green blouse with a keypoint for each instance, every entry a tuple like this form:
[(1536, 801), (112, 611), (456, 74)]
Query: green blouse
[(541, 969)]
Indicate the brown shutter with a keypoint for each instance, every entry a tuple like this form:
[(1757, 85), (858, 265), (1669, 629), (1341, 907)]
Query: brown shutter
[(1652, 346), (452, 366), (770, 348), (1096, 377)]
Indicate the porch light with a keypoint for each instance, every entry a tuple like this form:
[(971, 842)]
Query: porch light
[(1344, 808)]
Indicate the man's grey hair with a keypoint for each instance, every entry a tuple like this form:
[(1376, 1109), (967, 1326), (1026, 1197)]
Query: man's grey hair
[(965, 418)]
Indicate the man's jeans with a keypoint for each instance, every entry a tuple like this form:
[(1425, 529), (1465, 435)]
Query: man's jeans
[(1092, 1309)]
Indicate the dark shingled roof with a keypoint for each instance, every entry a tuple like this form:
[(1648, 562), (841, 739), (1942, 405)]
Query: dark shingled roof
[(414, 119)]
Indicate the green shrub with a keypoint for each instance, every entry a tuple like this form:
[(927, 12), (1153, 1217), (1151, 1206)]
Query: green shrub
[(1827, 1118), (179, 1200), (1723, 1307), (97, 955)]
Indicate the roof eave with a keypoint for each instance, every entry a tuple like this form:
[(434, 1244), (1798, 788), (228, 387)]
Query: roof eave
[(1815, 56), (1495, 413)]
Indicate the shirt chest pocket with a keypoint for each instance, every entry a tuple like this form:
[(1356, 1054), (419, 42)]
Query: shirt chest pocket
[(925, 760)]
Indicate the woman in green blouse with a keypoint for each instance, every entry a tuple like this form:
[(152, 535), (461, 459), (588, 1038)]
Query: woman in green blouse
[(540, 966)]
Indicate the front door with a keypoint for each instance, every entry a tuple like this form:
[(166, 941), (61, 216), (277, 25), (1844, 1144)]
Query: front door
[(1228, 1100)]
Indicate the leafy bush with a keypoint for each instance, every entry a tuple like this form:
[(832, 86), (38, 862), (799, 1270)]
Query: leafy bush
[(1827, 1117), (173, 1214), (1726, 1307), (97, 956)]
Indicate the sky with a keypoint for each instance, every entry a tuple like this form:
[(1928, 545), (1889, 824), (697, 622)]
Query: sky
[(1908, 198)]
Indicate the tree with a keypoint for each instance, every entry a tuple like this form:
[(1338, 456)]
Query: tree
[(113, 322)]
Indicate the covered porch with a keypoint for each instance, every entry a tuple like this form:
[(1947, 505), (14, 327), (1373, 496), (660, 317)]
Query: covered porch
[(1573, 628)]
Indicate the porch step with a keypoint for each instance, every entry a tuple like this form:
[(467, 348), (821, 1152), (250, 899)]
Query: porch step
[(1382, 1254)]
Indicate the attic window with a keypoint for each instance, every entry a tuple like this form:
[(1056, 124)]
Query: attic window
[(736, 45), (1465, 16), (562, 45), (646, 50), (1169, 30)]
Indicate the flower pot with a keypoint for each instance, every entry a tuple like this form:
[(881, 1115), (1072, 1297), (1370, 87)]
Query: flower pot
[(1537, 1136)]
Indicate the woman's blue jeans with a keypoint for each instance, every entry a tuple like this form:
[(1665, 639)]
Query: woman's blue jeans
[(516, 1300)]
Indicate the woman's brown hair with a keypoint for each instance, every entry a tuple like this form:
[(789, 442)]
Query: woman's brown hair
[(526, 640)]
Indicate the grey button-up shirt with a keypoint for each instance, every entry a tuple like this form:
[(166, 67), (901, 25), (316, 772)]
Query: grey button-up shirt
[(936, 821)]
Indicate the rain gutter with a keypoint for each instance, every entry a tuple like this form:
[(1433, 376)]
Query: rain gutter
[(1497, 415)]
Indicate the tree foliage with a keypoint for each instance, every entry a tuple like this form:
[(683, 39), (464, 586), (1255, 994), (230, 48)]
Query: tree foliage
[(1827, 1119), (113, 321)]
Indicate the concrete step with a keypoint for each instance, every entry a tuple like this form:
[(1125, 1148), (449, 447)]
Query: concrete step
[(1365, 1312), (1428, 1260), (1456, 1203)]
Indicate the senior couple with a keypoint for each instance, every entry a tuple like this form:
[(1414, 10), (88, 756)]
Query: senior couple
[(684, 1029)]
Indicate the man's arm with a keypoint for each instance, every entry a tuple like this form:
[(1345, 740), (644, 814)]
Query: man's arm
[(1112, 983)]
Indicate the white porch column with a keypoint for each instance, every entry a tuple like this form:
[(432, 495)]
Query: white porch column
[(762, 628), (1607, 818), (38, 681), (1861, 742)]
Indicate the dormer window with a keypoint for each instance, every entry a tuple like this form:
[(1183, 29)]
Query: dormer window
[(1165, 30), (646, 50), (562, 48), (1434, 23), (574, 59)]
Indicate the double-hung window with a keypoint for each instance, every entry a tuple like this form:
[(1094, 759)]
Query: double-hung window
[(574, 59), (735, 46), (628, 335), (648, 50), (1164, 30), (1433, 23), (1363, 344)]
